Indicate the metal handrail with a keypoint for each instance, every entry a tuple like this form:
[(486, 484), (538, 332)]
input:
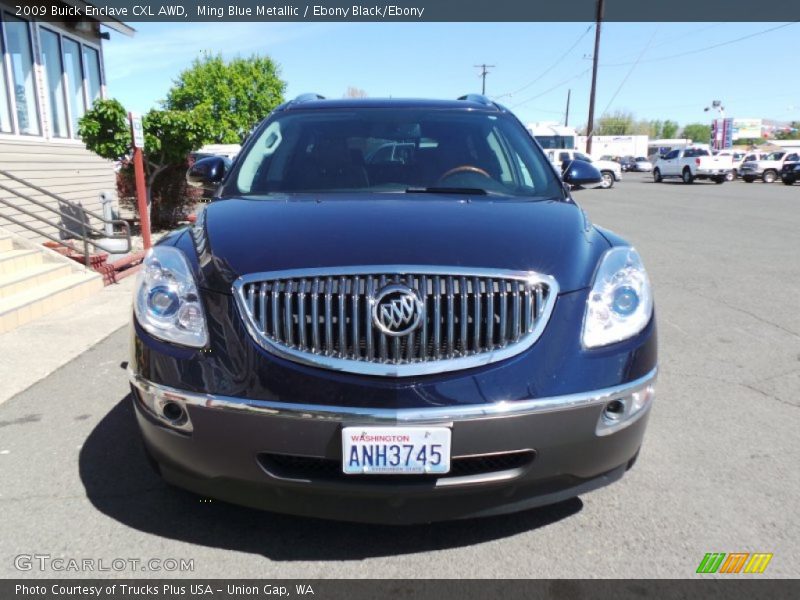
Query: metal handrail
[(86, 229)]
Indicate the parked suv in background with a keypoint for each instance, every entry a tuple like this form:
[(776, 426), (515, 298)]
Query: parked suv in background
[(610, 170), (410, 334), (790, 172), (767, 168), (690, 164), (736, 158)]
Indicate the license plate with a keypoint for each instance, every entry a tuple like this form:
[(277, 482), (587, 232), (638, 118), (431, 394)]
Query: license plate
[(395, 450)]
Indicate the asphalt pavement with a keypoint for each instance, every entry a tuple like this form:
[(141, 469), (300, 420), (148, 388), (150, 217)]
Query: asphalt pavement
[(718, 471)]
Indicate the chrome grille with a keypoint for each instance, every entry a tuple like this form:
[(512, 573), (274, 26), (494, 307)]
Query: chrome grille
[(325, 318)]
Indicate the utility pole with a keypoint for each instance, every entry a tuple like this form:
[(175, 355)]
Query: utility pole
[(484, 72), (566, 114), (595, 59)]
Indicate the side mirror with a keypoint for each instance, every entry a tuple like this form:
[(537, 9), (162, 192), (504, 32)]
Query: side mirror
[(207, 173), (578, 172)]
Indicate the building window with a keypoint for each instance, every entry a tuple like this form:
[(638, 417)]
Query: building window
[(74, 70), (91, 58), (66, 82), (5, 109), (54, 84), (18, 45)]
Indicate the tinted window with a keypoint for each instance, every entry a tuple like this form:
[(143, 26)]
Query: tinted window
[(391, 150), (671, 155)]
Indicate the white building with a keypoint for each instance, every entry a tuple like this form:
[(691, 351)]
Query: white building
[(616, 145), (51, 73)]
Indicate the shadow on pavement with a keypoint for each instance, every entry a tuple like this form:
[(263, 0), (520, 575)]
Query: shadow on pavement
[(120, 484)]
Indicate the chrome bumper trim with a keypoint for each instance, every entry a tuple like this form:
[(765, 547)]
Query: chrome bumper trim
[(400, 415)]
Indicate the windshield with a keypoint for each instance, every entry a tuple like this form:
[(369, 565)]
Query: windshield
[(393, 150)]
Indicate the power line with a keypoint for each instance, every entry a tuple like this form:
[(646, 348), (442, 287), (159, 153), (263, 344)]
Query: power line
[(484, 72), (630, 71), (704, 49), (555, 87), (550, 68)]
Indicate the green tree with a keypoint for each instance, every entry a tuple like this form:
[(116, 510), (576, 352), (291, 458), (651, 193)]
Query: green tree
[(169, 136), (104, 129), (697, 132), (655, 129), (227, 98), (669, 129), (617, 123)]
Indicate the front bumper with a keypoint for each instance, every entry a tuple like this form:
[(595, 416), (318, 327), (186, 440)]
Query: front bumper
[(224, 447)]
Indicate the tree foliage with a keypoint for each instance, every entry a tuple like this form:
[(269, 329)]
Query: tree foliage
[(228, 98), (697, 132), (622, 122), (355, 92), (104, 129), (669, 129)]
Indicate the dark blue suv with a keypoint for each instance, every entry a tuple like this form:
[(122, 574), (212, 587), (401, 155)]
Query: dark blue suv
[(392, 311)]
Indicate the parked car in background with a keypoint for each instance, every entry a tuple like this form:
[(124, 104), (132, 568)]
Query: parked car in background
[(768, 168), (736, 157), (610, 170), (440, 333), (628, 163), (790, 172), (642, 165), (690, 164)]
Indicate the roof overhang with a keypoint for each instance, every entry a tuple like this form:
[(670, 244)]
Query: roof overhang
[(110, 22)]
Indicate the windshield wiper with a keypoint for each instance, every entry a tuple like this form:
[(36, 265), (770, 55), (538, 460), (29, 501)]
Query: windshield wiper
[(447, 190)]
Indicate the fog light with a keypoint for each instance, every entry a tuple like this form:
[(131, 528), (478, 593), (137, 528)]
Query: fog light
[(615, 410), (173, 411), (168, 408), (622, 411)]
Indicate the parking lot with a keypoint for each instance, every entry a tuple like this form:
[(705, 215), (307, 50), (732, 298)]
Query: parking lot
[(718, 471)]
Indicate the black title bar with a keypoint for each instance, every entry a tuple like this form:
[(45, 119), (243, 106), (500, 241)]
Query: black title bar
[(409, 10)]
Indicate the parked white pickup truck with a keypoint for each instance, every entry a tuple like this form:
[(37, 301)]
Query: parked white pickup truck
[(692, 163), (768, 168), (610, 170)]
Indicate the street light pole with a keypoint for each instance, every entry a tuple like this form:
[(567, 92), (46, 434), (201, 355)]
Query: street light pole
[(719, 134)]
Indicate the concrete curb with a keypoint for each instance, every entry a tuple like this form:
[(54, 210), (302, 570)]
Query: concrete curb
[(33, 351)]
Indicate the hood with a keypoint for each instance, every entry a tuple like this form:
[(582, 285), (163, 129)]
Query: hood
[(246, 236)]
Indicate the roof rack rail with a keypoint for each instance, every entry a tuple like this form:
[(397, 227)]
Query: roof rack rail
[(477, 98), (307, 98)]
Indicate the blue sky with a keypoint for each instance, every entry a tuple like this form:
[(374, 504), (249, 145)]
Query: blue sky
[(753, 77)]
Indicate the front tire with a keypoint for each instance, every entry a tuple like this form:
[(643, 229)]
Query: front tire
[(608, 180), (657, 178), (787, 181), (748, 179), (719, 180), (769, 176), (687, 176)]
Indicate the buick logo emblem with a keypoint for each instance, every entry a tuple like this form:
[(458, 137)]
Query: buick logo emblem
[(396, 310)]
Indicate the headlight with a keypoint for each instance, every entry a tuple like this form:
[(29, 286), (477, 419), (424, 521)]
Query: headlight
[(167, 304), (621, 303)]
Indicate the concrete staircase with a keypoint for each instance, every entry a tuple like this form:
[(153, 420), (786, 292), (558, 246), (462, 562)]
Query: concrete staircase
[(35, 281)]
